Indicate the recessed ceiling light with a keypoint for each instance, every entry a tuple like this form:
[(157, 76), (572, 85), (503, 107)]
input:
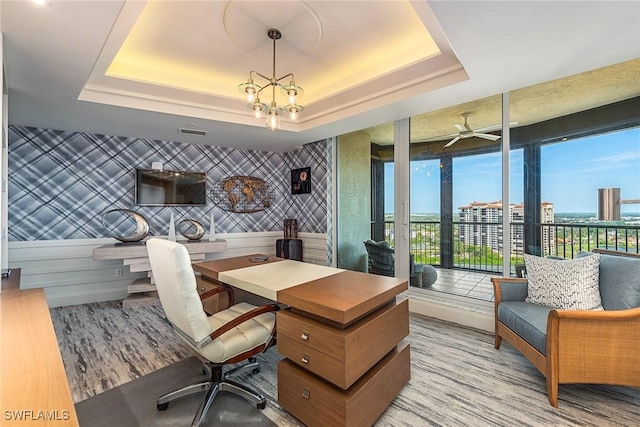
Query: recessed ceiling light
[(42, 2)]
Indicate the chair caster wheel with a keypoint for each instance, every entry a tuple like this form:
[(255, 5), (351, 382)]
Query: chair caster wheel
[(256, 370), (261, 405), (162, 406)]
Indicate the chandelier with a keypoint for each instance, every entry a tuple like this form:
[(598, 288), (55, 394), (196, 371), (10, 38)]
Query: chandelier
[(252, 91)]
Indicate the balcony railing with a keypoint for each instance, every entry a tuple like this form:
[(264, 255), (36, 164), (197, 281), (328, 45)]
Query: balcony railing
[(479, 245)]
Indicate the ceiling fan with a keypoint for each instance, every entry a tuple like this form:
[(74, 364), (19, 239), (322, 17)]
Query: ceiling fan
[(467, 132)]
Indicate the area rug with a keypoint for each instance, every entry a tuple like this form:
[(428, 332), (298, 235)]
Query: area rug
[(133, 404)]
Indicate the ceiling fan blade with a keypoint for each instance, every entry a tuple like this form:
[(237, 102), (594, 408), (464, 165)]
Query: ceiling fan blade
[(487, 136), (495, 127), (460, 127), (453, 141)]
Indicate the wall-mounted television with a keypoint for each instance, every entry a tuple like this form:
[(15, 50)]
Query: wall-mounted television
[(155, 187)]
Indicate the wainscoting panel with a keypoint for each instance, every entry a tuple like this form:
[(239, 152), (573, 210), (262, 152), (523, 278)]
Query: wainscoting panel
[(69, 275)]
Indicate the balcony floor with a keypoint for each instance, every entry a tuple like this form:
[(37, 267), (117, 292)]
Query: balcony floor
[(471, 284)]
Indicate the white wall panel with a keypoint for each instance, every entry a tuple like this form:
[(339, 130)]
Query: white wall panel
[(69, 275)]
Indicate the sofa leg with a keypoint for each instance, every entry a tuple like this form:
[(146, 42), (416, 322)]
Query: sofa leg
[(552, 392), (498, 341)]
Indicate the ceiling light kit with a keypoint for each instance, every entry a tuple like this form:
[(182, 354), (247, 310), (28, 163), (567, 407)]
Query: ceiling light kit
[(252, 91)]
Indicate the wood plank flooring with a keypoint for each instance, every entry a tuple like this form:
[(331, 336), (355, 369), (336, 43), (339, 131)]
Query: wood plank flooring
[(457, 377)]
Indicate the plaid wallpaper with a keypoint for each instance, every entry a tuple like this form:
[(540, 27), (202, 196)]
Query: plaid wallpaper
[(60, 183)]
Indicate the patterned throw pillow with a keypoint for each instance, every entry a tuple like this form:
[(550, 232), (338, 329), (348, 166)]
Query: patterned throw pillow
[(571, 284)]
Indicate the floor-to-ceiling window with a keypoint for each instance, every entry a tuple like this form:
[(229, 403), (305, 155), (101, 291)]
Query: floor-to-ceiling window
[(574, 175), (563, 146)]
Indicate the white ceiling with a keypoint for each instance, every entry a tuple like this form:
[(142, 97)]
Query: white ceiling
[(361, 63)]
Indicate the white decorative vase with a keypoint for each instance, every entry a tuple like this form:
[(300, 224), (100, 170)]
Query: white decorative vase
[(172, 229), (212, 229)]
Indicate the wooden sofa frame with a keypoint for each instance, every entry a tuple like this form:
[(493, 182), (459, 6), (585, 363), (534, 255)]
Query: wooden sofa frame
[(589, 347)]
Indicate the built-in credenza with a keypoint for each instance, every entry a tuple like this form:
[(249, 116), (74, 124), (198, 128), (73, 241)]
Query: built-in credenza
[(135, 256)]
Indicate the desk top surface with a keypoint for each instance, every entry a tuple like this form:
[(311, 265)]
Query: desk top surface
[(32, 376), (339, 296)]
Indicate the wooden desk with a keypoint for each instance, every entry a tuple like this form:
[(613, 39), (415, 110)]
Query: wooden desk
[(341, 336), (33, 385)]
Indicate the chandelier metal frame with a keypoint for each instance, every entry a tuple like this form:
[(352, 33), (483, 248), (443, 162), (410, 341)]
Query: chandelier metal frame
[(252, 91)]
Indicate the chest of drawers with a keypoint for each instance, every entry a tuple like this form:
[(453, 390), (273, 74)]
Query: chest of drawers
[(341, 356), (317, 403)]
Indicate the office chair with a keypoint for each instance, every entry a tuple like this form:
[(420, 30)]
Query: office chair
[(229, 336)]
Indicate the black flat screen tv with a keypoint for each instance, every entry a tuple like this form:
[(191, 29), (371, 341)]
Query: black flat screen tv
[(156, 187)]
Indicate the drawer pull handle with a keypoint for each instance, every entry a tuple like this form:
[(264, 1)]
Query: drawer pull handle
[(305, 336), (306, 394), (305, 358), (201, 289)]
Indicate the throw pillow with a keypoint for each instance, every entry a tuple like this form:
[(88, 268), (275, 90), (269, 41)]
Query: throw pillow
[(570, 284), (619, 286)]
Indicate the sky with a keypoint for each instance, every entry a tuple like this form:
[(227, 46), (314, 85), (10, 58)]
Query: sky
[(572, 173)]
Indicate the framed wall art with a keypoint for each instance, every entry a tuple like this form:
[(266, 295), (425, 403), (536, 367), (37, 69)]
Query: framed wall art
[(301, 181)]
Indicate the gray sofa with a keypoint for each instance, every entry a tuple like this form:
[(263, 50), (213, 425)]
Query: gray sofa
[(577, 346)]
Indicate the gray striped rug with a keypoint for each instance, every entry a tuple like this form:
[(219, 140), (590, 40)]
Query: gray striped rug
[(457, 377)]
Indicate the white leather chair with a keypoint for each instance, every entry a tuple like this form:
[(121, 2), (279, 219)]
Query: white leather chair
[(229, 336)]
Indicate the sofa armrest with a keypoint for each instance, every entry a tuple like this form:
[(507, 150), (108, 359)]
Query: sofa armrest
[(600, 347), (509, 289)]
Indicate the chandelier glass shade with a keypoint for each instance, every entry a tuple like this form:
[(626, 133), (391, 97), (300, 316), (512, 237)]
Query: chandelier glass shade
[(252, 92)]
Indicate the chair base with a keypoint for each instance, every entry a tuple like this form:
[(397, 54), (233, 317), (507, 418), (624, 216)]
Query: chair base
[(213, 387)]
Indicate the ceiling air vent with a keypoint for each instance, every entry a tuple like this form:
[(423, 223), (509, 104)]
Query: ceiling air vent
[(186, 131)]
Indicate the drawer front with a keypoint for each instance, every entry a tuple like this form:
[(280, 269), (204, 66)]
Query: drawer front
[(341, 356), (321, 364), (317, 403), (311, 333), (214, 303)]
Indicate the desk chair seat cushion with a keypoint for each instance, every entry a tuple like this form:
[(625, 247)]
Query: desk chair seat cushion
[(183, 307), (250, 334)]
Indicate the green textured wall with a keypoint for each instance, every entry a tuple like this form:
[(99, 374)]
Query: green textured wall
[(354, 199)]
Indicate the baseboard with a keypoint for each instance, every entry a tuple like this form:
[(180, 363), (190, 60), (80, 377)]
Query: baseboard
[(463, 311), (87, 298)]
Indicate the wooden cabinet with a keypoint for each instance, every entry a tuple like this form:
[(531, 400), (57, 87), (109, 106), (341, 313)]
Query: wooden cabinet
[(342, 376), (317, 403), (341, 356), (214, 303)]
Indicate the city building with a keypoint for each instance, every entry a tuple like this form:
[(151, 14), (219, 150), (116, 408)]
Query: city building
[(485, 228)]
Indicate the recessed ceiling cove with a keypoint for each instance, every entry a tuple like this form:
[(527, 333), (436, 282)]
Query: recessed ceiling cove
[(188, 58)]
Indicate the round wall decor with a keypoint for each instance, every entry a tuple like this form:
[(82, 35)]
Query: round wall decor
[(112, 225), (191, 229)]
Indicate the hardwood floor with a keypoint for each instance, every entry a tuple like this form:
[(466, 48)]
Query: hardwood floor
[(457, 377)]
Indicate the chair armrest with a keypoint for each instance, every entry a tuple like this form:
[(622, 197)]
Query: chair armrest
[(594, 315), (243, 318), (218, 290), (600, 347), (509, 289)]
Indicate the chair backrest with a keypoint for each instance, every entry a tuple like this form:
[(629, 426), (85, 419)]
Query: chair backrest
[(176, 285), (381, 258)]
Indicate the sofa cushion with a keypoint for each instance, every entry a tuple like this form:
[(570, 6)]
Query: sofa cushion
[(565, 284), (619, 281), (527, 320)]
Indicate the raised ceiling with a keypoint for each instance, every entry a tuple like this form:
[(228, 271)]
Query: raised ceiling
[(146, 68), (528, 105)]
